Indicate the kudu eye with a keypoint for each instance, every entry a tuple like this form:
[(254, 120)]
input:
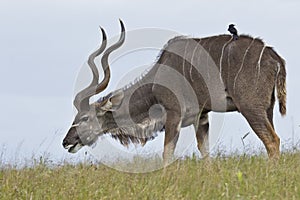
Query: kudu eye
[(84, 119)]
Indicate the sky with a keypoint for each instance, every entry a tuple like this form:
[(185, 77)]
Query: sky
[(44, 45)]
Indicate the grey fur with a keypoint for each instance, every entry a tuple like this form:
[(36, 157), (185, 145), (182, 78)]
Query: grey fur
[(192, 77)]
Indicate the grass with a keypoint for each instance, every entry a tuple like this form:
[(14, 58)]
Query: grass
[(236, 177)]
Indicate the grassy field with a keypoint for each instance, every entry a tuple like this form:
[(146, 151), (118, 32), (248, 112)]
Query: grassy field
[(236, 177)]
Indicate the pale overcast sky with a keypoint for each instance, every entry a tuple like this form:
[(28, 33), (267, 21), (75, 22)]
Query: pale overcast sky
[(44, 44)]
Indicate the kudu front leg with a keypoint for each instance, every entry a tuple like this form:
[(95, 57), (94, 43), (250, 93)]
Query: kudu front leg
[(172, 129)]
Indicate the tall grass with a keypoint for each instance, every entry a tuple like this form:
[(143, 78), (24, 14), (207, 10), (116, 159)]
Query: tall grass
[(234, 177)]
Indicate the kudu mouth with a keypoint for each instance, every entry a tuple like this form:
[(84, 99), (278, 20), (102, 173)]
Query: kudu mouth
[(73, 148), (72, 141)]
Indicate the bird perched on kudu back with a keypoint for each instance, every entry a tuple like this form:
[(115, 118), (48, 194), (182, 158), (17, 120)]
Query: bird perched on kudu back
[(233, 31)]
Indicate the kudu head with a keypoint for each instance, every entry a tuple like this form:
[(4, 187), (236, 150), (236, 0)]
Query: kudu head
[(89, 122)]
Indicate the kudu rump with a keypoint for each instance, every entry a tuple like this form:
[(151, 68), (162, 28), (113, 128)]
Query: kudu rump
[(191, 77)]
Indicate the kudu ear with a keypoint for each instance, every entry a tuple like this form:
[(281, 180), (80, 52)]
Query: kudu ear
[(113, 101)]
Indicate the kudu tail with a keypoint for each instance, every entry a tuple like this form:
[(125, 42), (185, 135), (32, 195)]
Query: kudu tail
[(281, 86)]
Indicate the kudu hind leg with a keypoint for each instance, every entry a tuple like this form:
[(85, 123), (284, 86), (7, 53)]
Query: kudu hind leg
[(202, 128), (270, 109), (263, 128), (172, 129)]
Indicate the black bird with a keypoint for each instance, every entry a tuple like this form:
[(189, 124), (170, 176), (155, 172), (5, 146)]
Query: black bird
[(233, 31)]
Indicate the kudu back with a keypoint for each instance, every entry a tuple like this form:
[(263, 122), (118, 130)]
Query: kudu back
[(191, 77)]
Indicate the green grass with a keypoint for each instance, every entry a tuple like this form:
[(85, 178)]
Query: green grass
[(236, 177)]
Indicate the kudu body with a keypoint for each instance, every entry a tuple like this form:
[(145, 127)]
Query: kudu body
[(191, 77)]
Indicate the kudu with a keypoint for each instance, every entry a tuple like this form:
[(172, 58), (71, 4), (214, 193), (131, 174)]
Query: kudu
[(191, 77)]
